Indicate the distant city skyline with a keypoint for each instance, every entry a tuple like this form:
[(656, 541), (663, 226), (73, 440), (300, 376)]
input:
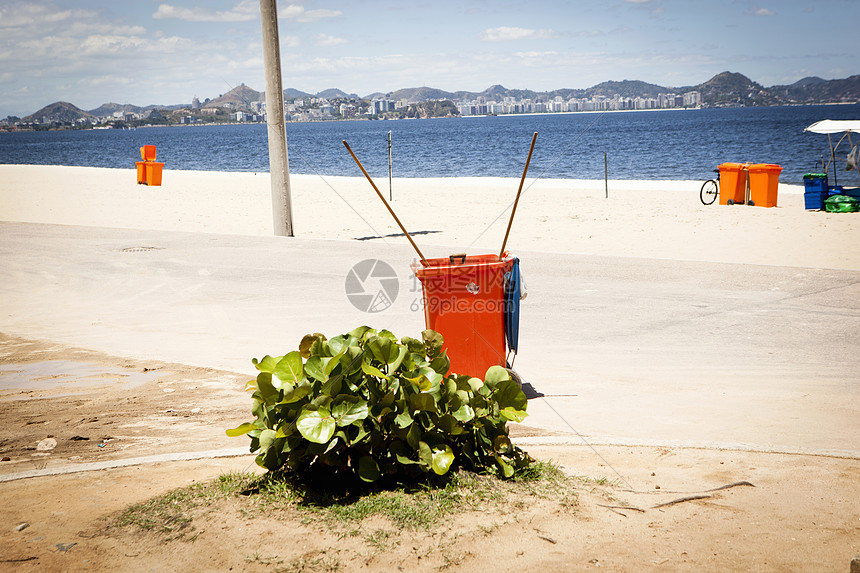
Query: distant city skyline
[(89, 52)]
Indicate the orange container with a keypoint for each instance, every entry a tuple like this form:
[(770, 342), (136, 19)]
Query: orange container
[(148, 153), (153, 173), (733, 183), (464, 302), (764, 184), (141, 172)]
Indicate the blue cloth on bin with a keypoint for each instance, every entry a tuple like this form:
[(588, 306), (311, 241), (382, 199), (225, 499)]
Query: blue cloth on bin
[(512, 306)]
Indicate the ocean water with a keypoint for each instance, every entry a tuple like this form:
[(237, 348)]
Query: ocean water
[(672, 144)]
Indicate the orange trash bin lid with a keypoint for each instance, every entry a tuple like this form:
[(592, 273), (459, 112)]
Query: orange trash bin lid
[(148, 153)]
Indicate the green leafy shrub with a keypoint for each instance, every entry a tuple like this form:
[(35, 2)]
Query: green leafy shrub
[(365, 404)]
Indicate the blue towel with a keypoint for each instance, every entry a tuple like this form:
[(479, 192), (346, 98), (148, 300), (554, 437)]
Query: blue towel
[(512, 306)]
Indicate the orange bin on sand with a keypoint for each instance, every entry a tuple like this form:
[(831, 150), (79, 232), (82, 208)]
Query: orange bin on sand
[(464, 299), (764, 184), (153, 173), (733, 183), (148, 170), (141, 172)]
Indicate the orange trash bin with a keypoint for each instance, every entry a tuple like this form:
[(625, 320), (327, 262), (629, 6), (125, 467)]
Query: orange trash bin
[(764, 184), (733, 183), (464, 302), (153, 173), (141, 172)]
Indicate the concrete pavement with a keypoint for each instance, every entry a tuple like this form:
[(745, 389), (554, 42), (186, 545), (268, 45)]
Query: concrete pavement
[(623, 350)]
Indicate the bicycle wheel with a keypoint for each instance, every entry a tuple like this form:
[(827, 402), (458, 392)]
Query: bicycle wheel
[(709, 192)]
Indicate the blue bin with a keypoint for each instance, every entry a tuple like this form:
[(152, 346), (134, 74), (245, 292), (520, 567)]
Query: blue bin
[(815, 190)]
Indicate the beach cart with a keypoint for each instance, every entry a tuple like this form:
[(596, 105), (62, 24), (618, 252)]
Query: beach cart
[(848, 132), (473, 301)]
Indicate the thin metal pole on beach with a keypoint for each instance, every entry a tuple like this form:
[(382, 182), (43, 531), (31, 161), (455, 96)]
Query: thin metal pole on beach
[(387, 206), (390, 192), (606, 174), (519, 191), (279, 163)]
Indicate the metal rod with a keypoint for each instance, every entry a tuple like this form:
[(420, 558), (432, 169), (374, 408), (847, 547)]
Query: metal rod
[(387, 206), (279, 163), (390, 192), (606, 174), (519, 191)]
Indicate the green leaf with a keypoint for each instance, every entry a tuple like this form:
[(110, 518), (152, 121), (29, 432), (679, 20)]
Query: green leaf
[(333, 385), (413, 344), (475, 384), (441, 363), (413, 436), (368, 470), (433, 342), (315, 368), (308, 341), (348, 409), (496, 374), (267, 391), (266, 439), (502, 444), (398, 360), (423, 402), (509, 395), (507, 469), (383, 349), (464, 414), (296, 393), (360, 332), (267, 364), (443, 457), (372, 370), (403, 420), (242, 429), (289, 368), (316, 425), (513, 415), (425, 455)]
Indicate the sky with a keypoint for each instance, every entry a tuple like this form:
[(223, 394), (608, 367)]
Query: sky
[(90, 52)]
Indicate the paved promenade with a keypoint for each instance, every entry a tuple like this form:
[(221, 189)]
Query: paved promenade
[(619, 350)]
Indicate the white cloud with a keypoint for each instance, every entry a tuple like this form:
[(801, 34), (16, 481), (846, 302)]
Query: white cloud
[(505, 33), (326, 40), (761, 12), (242, 12), (299, 14)]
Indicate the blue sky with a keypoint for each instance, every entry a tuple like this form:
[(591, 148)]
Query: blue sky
[(90, 52)]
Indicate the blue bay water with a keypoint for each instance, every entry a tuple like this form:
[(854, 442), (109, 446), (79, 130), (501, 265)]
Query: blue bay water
[(673, 144)]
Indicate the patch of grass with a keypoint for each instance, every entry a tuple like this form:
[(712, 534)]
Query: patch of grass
[(414, 507), (305, 564)]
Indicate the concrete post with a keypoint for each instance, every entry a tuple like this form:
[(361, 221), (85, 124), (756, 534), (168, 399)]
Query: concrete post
[(279, 163)]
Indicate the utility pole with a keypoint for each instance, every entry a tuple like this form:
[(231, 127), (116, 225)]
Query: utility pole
[(279, 163)]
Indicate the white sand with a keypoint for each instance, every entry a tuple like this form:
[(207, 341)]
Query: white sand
[(657, 219)]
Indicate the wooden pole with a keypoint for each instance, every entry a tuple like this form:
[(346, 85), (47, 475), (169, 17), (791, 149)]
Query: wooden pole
[(279, 163), (387, 206), (519, 191)]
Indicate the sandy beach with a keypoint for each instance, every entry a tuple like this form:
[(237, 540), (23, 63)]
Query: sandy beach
[(650, 219), (671, 349)]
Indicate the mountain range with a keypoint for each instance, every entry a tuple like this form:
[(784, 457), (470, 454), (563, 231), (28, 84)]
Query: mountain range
[(724, 89)]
